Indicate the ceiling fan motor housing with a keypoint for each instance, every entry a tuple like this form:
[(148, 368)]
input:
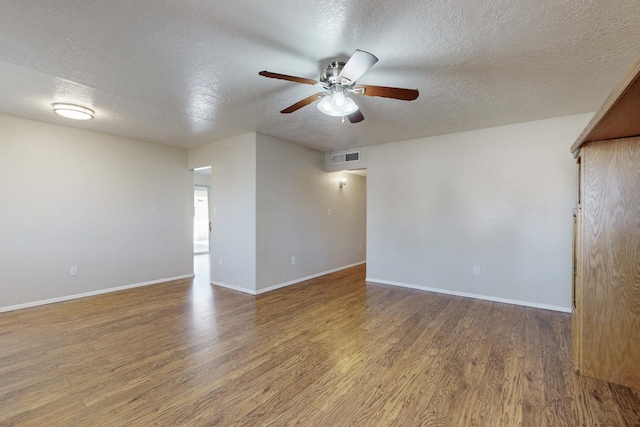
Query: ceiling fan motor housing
[(330, 74)]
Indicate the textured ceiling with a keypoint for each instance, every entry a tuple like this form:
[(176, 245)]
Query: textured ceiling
[(185, 72)]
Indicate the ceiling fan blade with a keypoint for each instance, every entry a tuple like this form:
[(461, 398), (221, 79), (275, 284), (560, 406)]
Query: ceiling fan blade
[(356, 66), (386, 92), (289, 78), (298, 105), (356, 117)]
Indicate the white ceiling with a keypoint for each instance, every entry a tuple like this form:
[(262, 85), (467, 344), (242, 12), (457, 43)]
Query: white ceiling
[(185, 72)]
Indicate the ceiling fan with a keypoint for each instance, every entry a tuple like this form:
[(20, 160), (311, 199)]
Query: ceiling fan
[(338, 80)]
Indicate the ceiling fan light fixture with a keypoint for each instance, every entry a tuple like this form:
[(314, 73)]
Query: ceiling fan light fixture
[(338, 80), (72, 111), (337, 105)]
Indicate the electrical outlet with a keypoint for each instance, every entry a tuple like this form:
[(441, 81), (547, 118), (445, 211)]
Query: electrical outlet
[(476, 270), (293, 260), (74, 271), (220, 262), (359, 247), (328, 211)]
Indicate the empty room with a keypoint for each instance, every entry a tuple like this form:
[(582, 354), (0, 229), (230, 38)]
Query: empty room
[(335, 213)]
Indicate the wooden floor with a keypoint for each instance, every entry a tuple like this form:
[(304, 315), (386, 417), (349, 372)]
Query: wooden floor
[(328, 352)]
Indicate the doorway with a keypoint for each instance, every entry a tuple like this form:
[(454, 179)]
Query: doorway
[(201, 223), (200, 220)]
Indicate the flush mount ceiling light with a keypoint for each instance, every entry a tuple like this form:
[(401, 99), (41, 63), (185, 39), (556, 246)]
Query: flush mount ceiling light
[(72, 111)]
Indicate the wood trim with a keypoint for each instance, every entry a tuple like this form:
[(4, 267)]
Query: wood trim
[(576, 291), (619, 116)]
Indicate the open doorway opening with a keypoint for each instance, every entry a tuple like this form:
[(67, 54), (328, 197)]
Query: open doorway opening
[(201, 220), (201, 223), (358, 178)]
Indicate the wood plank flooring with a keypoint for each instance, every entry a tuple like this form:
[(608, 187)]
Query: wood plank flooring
[(327, 352)]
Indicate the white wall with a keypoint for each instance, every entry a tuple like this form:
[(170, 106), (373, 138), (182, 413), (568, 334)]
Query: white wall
[(294, 195), (233, 209), (118, 209), (497, 198)]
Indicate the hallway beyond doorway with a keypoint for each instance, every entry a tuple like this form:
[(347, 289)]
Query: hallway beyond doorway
[(201, 269), (200, 220)]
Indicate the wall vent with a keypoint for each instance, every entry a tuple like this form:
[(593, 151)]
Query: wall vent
[(345, 157)]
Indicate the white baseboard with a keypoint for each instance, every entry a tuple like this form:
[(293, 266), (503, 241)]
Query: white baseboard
[(283, 285), (302, 279), (468, 295), (234, 287), (92, 293)]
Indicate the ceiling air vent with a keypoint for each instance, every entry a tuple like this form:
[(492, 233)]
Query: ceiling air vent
[(345, 157)]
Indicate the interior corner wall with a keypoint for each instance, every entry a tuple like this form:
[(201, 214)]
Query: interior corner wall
[(118, 209), (498, 198), (294, 199), (232, 199)]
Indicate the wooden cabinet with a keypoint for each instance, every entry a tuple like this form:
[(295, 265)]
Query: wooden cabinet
[(605, 317)]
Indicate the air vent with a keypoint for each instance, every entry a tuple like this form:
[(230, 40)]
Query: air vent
[(345, 157)]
